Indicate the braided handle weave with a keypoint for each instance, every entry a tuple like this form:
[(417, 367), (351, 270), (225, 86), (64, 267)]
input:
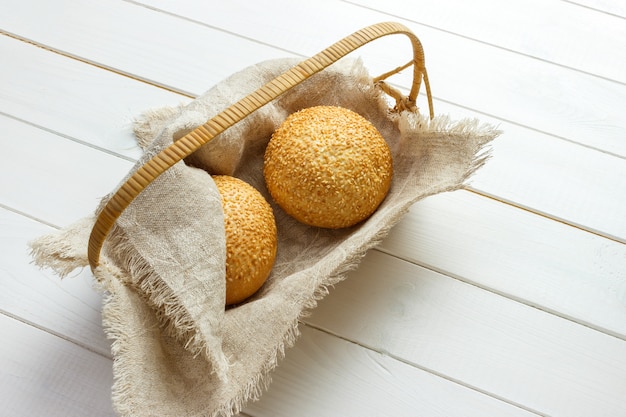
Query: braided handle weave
[(238, 111)]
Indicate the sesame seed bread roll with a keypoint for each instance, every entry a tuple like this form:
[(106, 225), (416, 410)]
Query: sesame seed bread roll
[(328, 167), (251, 237)]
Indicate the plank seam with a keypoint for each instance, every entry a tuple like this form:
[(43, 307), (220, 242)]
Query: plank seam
[(449, 32), (53, 333), (96, 64), (584, 6), (68, 137), (502, 294), (514, 123), (28, 216), (545, 215), (423, 368), (206, 25)]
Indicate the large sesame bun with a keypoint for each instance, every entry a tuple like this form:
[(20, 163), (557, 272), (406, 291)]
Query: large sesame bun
[(328, 166), (251, 237)]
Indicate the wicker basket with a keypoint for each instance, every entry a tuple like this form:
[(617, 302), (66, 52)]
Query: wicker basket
[(233, 114), (166, 333)]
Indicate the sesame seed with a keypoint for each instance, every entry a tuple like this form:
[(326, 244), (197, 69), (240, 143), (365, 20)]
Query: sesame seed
[(328, 166)]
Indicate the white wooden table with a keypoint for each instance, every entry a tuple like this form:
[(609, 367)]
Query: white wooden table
[(507, 298)]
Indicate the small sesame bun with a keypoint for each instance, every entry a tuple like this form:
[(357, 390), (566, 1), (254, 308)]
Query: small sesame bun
[(251, 237), (328, 167)]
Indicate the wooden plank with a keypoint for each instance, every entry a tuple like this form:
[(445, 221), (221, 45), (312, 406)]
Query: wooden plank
[(556, 31), (70, 307), (523, 256), (81, 101), (515, 352), (65, 179), (614, 7), (570, 183), (134, 40), (546, 97), (325, 376), (43, 375)]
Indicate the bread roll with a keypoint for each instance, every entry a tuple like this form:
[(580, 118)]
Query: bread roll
[(251, 237), (328, 167)]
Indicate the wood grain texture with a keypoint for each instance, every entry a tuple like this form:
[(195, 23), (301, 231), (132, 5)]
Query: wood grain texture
[(69, 308), (578, 38), (544, 174), (133, 40), (86, 103), (66, 179), (44, 375), (505, 299), (337, 370), (614, 7), (511, 350), (524, 256)]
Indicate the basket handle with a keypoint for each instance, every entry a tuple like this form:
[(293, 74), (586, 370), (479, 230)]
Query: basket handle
[(238, 111)]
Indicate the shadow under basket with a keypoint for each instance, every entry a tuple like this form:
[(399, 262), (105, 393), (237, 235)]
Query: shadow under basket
[(156, 245)]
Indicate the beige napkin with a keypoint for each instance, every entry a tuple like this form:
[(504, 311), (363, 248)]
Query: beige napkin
[(177, 351)]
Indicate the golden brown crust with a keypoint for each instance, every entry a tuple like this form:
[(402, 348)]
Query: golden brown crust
[(251, 237), (327, 166)]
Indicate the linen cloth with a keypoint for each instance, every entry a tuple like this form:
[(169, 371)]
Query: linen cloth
[(177, 350)]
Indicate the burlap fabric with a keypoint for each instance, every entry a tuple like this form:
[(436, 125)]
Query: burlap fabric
[(177, 350)]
